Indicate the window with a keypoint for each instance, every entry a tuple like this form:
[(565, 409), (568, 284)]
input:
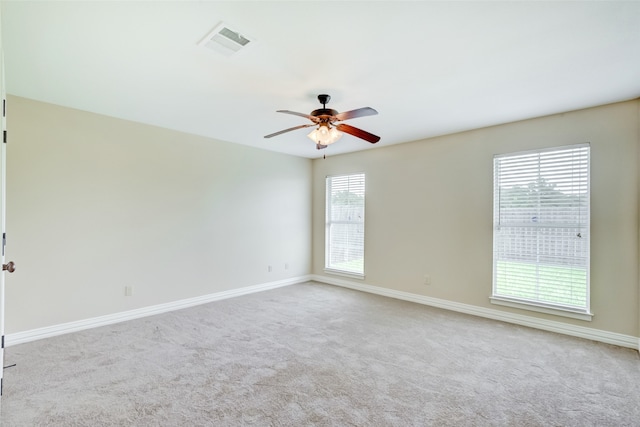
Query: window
[(344, 234), (541, 230)]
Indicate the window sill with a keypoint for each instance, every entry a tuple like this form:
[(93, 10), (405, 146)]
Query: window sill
[(344, 273), (542, 308)]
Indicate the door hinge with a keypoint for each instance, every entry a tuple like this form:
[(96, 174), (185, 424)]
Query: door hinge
[(4, 108), (2, 341), (4, 242), (4, 136)]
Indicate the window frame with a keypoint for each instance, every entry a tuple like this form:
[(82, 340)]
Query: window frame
[(537, 304), (329, 267)]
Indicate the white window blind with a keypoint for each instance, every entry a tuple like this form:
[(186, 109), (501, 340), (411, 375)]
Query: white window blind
[(541, 228), (345, 224)]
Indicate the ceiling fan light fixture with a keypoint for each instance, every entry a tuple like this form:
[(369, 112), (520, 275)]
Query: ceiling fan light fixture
[(325, 135)]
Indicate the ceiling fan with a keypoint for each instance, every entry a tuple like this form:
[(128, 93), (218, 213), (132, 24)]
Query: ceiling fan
[(328, 131)]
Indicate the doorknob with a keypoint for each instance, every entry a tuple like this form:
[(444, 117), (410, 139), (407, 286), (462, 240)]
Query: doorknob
[(10, 267)]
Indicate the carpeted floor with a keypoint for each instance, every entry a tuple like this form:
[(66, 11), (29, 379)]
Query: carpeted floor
[(314, 354)]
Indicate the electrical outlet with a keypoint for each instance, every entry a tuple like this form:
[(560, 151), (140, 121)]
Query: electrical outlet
[(269, 268), (286, 265), (128, 291), (427, 280)]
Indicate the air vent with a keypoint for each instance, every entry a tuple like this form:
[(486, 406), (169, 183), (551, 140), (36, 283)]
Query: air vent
[(226, 40)]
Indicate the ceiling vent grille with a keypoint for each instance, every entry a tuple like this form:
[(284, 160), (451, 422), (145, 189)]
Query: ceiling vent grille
[(225, 40)]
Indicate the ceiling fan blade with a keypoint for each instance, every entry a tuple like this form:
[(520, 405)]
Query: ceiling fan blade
[(358, 133), (313, 119), (289, 130), (360, 112)]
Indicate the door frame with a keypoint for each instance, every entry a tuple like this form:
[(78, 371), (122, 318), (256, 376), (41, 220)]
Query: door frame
[(3, 157)]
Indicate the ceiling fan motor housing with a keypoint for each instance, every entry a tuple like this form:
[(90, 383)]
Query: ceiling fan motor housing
[(324, 114)]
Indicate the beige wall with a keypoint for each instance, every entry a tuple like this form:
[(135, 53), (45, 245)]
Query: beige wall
[(429, 210), (96, 203)]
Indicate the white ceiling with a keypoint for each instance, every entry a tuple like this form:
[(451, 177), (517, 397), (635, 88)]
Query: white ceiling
[(429, 68)]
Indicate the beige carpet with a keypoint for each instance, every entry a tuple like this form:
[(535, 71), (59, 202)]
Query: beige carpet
[(315, 354)]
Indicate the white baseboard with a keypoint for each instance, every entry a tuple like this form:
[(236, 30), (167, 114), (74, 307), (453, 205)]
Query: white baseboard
[(65, 328), (533, 322), (518, 319)]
